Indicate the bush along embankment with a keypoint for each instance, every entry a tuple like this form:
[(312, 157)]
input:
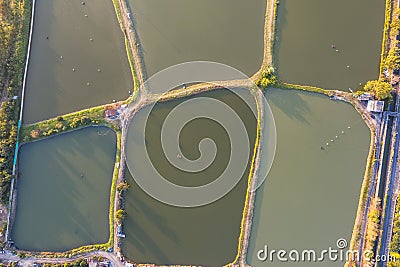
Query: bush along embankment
[(14, 32)]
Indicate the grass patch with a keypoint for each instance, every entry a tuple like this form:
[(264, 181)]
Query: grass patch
[(283, 85), (75, 120)]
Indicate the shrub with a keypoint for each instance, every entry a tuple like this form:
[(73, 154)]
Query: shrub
[(379, 88), (120, 215), (267, 78)]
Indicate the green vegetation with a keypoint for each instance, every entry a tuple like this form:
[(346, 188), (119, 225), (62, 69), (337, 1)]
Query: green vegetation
[(379, 88), (8, 137), (14, 28), (395, 25), (267, 79), (71, 121), (392, 60), (395, 242), (120, 215), (122, 187), (386, 26), (373, 224), (394, 260), (283, 85)]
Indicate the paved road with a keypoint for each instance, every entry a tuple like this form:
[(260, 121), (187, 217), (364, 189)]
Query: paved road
[(372, 187)]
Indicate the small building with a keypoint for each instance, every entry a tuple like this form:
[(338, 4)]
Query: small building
[(119, 231), (365, 96), (375, 106), (111, 114)]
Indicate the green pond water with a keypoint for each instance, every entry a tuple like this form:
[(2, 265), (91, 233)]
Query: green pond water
[(306, 31), (163, 234), (177, 31), (309, 199), (83, 62), (63, 191)]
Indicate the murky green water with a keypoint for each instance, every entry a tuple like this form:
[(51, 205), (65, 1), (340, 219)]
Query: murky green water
[(177, 31), (306, 30), (93, 46), (163, 234), (309, 199), (64, 191)]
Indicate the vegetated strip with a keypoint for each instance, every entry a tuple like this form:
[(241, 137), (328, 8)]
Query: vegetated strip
[(14, 28), (385, 38), (11, 201), (313, 89), (395, 244), (61, 124)]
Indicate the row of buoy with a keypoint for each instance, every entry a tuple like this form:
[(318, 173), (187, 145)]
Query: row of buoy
[(333, 140), (98, 70), (90, 39)]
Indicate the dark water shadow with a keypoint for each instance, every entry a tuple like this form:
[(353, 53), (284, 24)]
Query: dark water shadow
[(289, 102), (67, 218), (159, 221)]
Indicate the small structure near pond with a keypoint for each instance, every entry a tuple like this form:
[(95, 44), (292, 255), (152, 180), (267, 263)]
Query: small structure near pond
[(111, 114), (119, 231), (375, 106)]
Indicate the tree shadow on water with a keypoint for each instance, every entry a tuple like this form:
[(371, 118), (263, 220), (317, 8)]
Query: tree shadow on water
[(146, 244), (158, 220), (290, 102)]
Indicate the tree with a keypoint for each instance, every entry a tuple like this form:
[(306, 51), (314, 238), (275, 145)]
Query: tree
[(120, 215), (392, 61), (379, 88), (267, 79), (395, 26), (123, 186)]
